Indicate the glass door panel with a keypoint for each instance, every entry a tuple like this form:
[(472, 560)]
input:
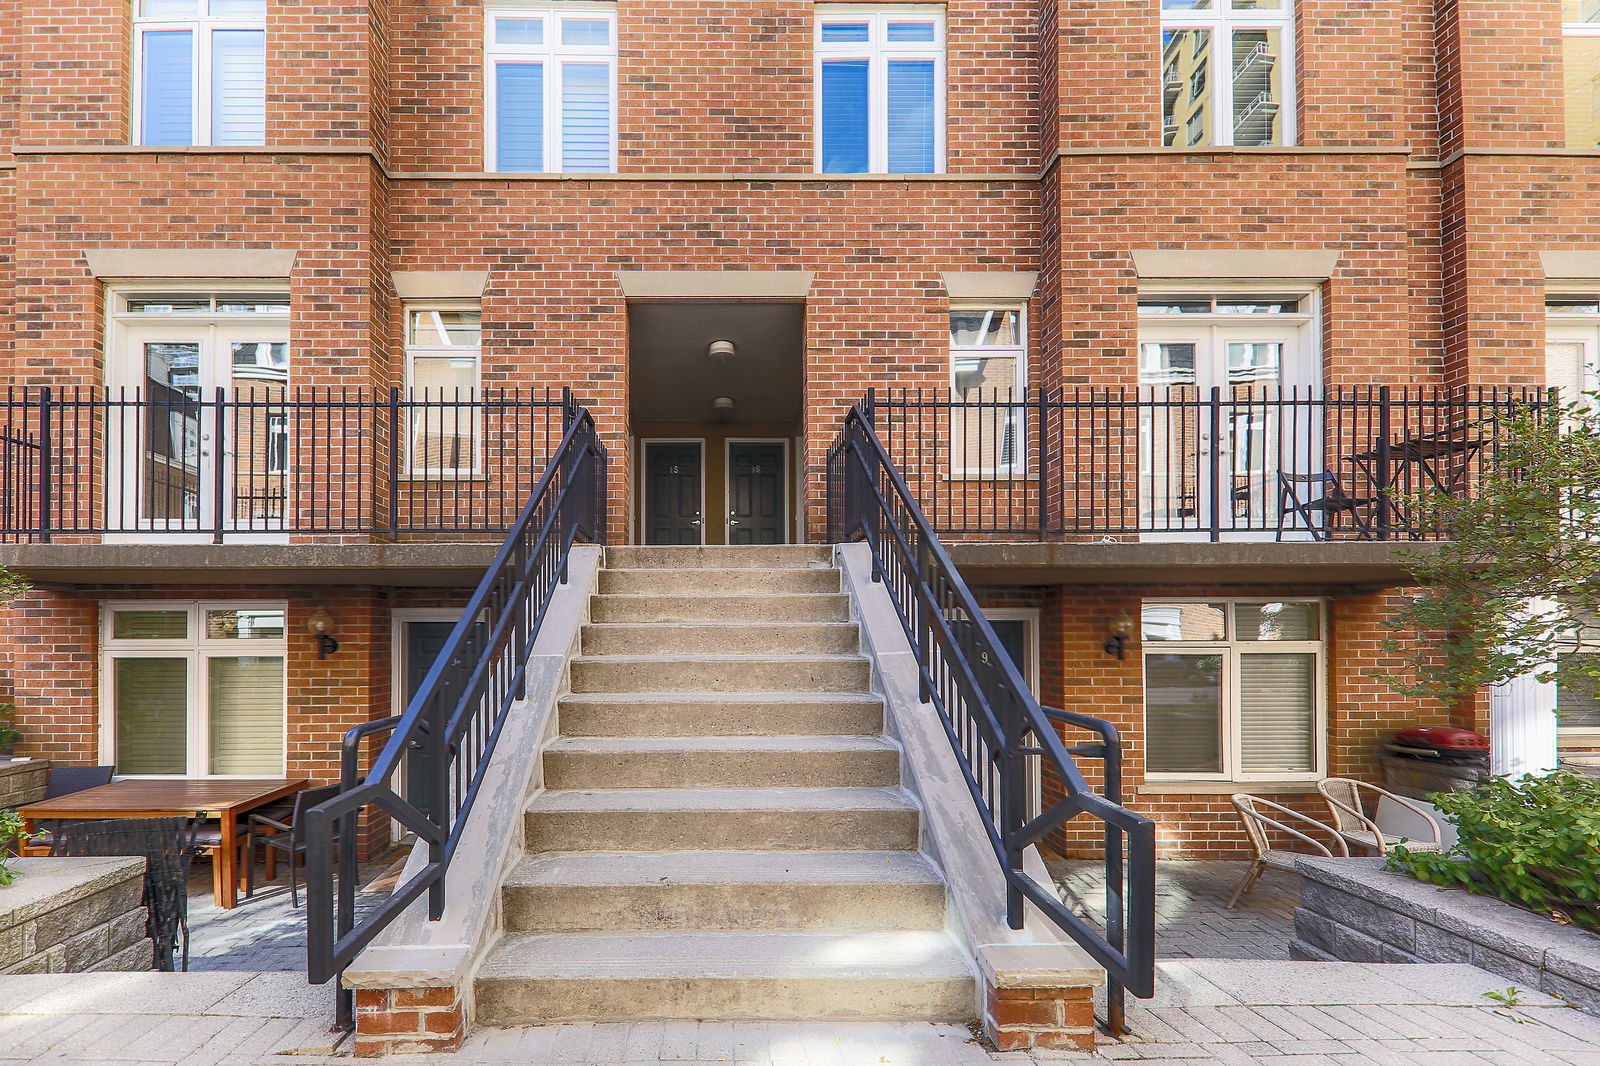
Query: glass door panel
[(257, 434), (1254, 370), (1171, 450)]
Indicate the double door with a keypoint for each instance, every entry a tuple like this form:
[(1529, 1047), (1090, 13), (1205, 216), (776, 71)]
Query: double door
[(753, 487)]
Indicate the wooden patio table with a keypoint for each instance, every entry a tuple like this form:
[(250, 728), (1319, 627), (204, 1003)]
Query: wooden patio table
[(223, 799)]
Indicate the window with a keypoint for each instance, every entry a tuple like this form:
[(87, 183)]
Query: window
[(880, 89), (1577, 702), (200, 71), (988, 382), (552, 91), (1233, 689), (442, 368), (1227, 72), (1572, 344), (194, 689), (1581, 71)]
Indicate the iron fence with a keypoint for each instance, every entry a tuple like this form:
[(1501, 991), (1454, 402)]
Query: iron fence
[(1293, 464), (86, 461)]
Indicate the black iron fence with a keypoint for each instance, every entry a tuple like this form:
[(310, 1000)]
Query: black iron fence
[(1333, 463), (993, 722), (269, 460), (427, 775)]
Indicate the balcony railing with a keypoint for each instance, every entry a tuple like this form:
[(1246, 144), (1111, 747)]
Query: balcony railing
[(1182, 463), (266, 462)]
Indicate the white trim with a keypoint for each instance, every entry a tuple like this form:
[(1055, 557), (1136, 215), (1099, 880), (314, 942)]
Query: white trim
[(878, 51), (196, 648), (409, 354), (1222, 21), (200, 27), (552, 56), (727, 483), (642, 523), (1230, 648), (1019, 469)]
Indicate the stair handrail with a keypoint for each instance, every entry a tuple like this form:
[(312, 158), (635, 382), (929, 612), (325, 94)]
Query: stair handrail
[(447, 734), (991, 718)]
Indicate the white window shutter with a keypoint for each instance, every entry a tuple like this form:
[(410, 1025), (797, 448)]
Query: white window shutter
[(586, 116), (238, 87)]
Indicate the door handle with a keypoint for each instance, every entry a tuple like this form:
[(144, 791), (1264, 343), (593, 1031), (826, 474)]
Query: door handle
[(695, 522)]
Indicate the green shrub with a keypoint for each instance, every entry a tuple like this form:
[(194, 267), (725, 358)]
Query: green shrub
[(1534, 842), (10, 831)]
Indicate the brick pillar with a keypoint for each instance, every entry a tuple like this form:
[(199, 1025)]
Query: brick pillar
[(1023, 1018), (409, 1021)]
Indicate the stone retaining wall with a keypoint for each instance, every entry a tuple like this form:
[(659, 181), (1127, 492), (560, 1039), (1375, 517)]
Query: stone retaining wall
[(22, 781), (71, 915), (1353, 910)]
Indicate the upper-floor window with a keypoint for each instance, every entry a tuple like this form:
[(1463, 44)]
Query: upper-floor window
[(551, 88), (442, 375), (200, 71), (1581, 71), (880, 89), (1227, 72)]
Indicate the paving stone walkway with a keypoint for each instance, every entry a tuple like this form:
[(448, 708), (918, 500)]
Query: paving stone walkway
[(1231, 1012)]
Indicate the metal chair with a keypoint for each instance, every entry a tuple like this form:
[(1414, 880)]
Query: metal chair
[(168, 846), (1346, 796), (65, 780), (277, 836), (1295, 497), (1259, 828)]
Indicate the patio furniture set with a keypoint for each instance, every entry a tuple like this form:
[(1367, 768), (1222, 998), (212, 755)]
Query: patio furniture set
[(1403, 821), (170, 823)]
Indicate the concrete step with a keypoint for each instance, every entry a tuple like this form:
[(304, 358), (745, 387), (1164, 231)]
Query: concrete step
[(740, 607), (731, 638), (721, 762), (657, 891), (723, 819), (718, 556), (750, 581), (530, 978), (721, 673), (700, 714)]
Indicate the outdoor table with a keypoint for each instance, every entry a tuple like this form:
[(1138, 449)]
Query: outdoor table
[(1442, 460), (223, 799)]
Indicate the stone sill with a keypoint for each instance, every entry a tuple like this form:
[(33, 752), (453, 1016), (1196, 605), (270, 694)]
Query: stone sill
[(1222, 788)]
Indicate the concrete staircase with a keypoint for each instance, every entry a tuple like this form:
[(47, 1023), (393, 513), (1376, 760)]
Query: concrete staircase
[(723, 834)]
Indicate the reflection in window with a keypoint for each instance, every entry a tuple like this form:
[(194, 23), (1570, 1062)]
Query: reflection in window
[(988, 381), (1224, 74), (1581, 72)]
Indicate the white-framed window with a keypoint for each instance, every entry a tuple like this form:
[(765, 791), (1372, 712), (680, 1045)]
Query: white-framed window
[(1227, 72), (1580, 64), (988, 385), (193, 689), (1577, 702), (200, 72), (1572, 344), (550, 73), (879, 89), (443, 371), (1234, 689)]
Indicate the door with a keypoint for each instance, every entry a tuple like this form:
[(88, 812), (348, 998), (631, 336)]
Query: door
[(757, 488), (175, 446), (673, 492), (423, 643)]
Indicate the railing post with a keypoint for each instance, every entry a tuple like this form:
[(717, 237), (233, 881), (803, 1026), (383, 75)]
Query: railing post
[(1044, 458), (1385, 471), (1013, 806), (219, 489), (396, 439), (1215, 449), (46, 460), (869, 406)]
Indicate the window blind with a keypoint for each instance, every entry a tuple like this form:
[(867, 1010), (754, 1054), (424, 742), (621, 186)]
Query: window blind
[(167, 114), (1276, 713), (1183, 712), (910, 98), (519, 116), (151, 697), (844, 116), (238, 87), (1563, 361), (586, 116), (246, 711)]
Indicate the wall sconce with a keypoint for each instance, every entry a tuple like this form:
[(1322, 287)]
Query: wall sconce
[(1117, 632), (320, 626)]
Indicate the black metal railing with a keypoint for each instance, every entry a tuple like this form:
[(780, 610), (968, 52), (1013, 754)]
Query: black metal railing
[(1326, 463), (430, 768), (269, 459), (993, 722)]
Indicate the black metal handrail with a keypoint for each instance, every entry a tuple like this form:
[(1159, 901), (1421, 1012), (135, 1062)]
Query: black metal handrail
[(441, 745), (992, 720)]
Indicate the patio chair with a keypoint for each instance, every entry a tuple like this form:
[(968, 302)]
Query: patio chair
[(65, 780), (1346, 800), (167, 845), (1297, 496), (1259, 827), (287, 837)]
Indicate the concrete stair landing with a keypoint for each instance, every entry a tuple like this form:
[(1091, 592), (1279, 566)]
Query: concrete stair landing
[(723, 832)]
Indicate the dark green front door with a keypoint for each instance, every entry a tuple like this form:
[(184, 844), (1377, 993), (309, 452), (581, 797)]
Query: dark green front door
[(424, 642), (672, 492), (757, 483)]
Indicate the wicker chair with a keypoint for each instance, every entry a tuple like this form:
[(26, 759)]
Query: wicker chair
[(1259, 827), (1346, 800), (168, 845)]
